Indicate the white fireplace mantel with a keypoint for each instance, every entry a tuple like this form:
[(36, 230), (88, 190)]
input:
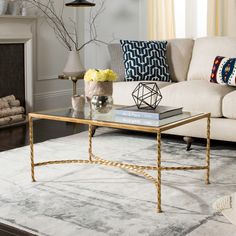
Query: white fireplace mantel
[(22, 29)]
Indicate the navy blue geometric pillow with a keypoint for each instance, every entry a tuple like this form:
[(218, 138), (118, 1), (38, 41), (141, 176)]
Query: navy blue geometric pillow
[(145, 60)]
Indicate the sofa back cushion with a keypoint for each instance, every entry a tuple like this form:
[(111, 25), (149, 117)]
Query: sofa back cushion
[(179, 53), (116, 60), (205, 50)]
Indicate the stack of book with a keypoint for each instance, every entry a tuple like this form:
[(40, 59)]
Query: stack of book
[(161, 112), (11, 110)]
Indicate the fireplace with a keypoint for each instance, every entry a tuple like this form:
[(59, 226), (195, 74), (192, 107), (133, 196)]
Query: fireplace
[(12, 71), (17, 59)]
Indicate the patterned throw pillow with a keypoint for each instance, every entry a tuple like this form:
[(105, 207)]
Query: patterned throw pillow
[(145, 60), (224, 71)]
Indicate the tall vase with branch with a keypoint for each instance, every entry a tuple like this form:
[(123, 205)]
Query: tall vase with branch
[(67, 33)]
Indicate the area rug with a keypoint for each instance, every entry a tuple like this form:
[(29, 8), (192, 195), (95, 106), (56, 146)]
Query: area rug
[(96, 200)]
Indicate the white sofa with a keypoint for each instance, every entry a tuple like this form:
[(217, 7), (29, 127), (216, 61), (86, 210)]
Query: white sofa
[(190, 63)]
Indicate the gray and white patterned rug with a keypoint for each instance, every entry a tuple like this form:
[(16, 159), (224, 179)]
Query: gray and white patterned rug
[(97, 200)]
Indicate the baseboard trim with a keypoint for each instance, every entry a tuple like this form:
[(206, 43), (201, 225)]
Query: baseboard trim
[(54, 99), (53, 94)]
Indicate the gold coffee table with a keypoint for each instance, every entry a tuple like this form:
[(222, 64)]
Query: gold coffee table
[(113, 121)]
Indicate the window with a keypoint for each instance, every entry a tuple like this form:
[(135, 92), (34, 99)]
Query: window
[(179, 9), (190, 18)]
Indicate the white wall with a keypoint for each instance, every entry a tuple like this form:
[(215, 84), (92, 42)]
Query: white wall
[(122, 19)]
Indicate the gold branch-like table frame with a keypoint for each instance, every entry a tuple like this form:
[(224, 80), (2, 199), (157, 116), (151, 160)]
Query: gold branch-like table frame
[(137, 169)]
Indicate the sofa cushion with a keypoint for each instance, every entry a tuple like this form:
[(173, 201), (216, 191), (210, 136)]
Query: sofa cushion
[(179, 54), (145, 60), (122, 91), (196, 95), (205, 50), (229, 105), (224, 71), (116, 56)]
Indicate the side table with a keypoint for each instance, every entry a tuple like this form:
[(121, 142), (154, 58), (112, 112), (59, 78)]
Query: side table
[(74, 79)]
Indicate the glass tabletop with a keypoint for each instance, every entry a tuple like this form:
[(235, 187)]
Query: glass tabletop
[(112, 117)]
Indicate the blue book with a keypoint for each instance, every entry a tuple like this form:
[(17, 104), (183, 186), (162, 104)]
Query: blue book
[(161, 112)]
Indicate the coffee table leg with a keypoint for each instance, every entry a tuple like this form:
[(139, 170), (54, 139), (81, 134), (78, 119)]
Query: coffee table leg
[(31, 139), (208, 149), (158, 183), (94, 128), (90, 142)]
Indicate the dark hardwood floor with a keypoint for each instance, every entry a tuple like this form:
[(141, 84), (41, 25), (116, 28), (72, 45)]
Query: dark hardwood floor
[(17, 136)]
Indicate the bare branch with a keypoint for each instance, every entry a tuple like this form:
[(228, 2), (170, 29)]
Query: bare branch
[(92, 25), (75, 33), (49, 11), (68, 38)]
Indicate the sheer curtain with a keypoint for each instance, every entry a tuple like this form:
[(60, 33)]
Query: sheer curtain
[(161, 19), (221, 18), (190, 18), (194, 18)]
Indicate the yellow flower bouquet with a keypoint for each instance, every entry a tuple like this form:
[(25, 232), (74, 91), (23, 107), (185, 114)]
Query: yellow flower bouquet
[(100, 75), (99, 82)]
